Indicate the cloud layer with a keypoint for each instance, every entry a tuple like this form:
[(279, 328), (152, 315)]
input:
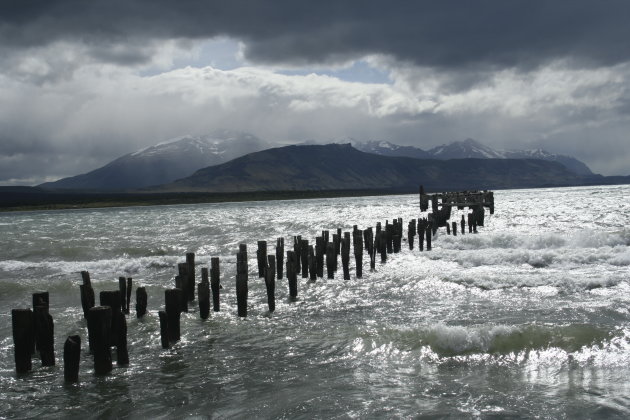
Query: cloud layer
[(84, 82)]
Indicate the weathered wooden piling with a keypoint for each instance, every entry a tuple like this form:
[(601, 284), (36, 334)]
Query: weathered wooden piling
[(470, 222), (357, 242), (304, 257), (261, 257), (331, 256), (319, 255), (241, 280), (335, 240), (141, 301), (44, 335), (190, 275), (41, 299), (345, 255), (23, 338), (279, 258), (448, 229), (421, 233), (181, 284), (172, 301), (381, 245), (99, 326), (389, 237), (215, 283), (203, 294), (297, 248), (164, 329), (122, 287), (129, 287), (338, 243), (411, 233), (312, 263), (71, 358), (87, 293), (292, 274), (463, 224), (113, 300), (270, 282), (429, 234), (454, 228)]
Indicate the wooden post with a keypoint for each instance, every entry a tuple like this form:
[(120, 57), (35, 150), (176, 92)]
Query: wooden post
[(122, 287), (112, 299), (470, 222), (129, 284), (190, 275), (358, 252), (389, 237), (297, 248), (421, 234), (463, 225), (330, 260), (44, 335), (41, 299), (180, 283), (241, 280), (183, 283), (429, 233), (304, 255), (411, 233), (23, 338), (164, 329), (319, 255), (172, 301), (454, 228), (448, 229), (270, 282), (279, 258), (71, 358), (99, 324), (215, 282), (261, 257), (87, 293), (204, 295), (312, 263), (292, 274), (345, 255), (141, 302)]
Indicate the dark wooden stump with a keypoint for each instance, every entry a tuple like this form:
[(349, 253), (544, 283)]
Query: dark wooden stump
[(389, 237), (330, 260), (71, 358), (122, 287), (23, 338), (270, 282), (87, 293), (41, 299), (112, 299), (129, 284), (164, 329), (411, 233), (292, 274), (141, 302), (279, 258), (319, 255), (429, 234), (180, 283), (304, 247), (203, 293), (44, 335), (463, 224), (99, 324), (241, 280), (172, 301), (261, 257), (454, 228), (215, 283), (357, 242), (190, 271), (345, 255), (297, 248), (312, 264), (335, 241)]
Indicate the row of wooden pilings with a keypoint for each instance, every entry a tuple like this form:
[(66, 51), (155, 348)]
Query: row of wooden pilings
[(33, 330)]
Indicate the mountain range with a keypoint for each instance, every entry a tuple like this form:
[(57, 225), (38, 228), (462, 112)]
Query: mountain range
[(342, 167)]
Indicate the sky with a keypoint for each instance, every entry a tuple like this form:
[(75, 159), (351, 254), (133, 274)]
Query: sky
[(84, 82)]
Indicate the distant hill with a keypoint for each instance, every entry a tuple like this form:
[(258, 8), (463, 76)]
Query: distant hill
[(470, 148), (164, 162), (340, 166)]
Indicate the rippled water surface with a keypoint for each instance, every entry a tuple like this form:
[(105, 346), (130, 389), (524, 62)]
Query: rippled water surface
[(528, 318)]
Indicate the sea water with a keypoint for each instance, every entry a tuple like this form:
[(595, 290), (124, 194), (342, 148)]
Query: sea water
[(529, 318)]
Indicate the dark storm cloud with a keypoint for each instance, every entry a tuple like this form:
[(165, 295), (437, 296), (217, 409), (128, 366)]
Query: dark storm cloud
[(445, 33)]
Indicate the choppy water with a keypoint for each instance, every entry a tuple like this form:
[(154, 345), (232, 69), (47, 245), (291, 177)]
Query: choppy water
[(528, 318)]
